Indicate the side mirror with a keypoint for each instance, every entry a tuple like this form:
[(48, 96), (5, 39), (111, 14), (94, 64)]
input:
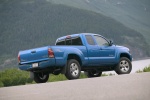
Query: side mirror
[(111, 42)]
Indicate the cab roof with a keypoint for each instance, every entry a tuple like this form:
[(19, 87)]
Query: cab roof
[(75, 35)]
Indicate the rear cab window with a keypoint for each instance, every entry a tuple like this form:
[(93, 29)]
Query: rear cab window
[(61, 42), (77, 41), (70, 41)]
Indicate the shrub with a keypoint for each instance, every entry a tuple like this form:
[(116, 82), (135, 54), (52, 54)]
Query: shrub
[(13, 77), (1, 84), (146, 69)]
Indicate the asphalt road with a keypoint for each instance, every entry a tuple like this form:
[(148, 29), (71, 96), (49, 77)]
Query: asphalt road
[(119, 87)]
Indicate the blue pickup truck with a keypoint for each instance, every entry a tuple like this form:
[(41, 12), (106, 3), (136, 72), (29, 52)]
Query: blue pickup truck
[(91, 53)]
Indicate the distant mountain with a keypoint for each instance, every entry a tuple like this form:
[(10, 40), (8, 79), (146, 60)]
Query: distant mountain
[(26, 24), (134, 14)]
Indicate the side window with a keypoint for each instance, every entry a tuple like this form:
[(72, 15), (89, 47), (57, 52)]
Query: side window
[(101, 41), (77, 41), (68, 41), (61, 42), (90, 40)]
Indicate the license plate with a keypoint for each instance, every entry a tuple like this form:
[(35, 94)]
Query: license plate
[(35, 65)]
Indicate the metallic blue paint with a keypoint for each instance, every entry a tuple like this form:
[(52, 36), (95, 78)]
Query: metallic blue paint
[(90, 55)]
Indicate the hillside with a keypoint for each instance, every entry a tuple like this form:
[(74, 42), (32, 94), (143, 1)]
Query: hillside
[(26, 24), (134, 14)]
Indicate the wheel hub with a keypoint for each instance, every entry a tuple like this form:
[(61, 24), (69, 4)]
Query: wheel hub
[(124, 66), (74, 69), (42, 76)]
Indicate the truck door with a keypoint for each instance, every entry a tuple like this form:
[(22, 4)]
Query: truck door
[(93, 51), (106, 52)]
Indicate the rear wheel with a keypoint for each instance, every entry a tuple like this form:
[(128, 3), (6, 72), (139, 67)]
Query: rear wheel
[(124, 66), (93, 73), (73, 69), (41, 77)]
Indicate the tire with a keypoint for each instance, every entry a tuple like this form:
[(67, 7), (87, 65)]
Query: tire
[(41, 77), (93, 73), (73, 69), (124, 66)]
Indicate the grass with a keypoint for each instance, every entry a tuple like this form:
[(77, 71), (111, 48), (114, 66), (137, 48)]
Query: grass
[(146, 69)]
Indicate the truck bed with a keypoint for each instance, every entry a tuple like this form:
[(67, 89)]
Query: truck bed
[(34, 55)]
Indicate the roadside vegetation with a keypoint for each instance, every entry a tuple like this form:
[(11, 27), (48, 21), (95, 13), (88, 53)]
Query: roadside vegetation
[(14, 77), (146, 69)]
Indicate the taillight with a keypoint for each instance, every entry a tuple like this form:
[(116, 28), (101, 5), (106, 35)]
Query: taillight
[(50, 53), (18, 58)]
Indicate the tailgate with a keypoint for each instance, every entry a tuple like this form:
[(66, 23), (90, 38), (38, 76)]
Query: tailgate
[(34, 55)]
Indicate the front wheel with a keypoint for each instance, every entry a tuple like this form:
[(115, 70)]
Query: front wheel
[(41, 77), (124, 66), (73, 69)]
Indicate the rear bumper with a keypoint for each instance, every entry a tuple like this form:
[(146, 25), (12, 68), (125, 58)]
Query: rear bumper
[(41, 65)]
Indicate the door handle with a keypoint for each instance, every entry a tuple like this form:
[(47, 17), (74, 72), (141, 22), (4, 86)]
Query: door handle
[(33, 51)]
